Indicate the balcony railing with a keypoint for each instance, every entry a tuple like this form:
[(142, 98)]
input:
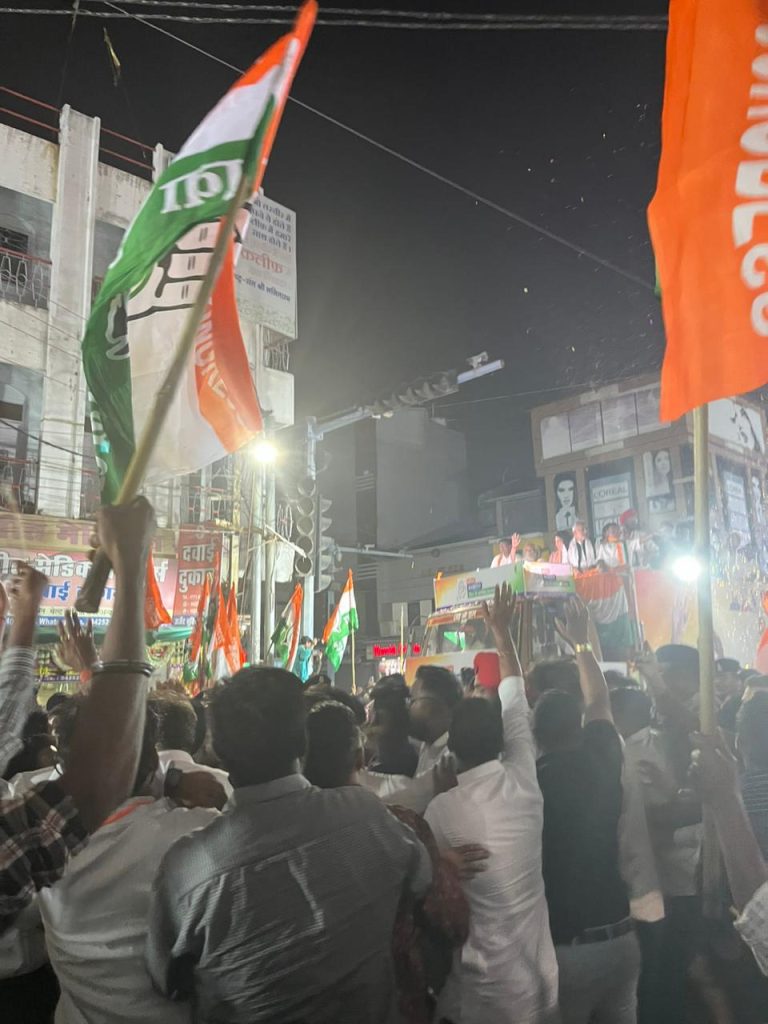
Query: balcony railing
[(24, 279)]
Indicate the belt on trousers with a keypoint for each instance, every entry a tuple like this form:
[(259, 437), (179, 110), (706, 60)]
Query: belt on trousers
[(604, 932)]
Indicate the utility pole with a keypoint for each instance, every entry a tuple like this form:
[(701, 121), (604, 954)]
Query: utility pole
[(308, 608), (257, 519), (270, 542)]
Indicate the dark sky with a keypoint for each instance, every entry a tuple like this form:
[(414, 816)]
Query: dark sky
[(400, 275)]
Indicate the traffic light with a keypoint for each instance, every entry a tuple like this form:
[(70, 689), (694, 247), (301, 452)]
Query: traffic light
[(420, 392), (325, 548), (305, 505)]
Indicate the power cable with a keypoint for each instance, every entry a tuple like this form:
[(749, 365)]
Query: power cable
[(510, 214), (572, 23)]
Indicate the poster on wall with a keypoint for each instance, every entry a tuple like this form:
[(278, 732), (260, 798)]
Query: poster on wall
[(647, 404), (566, 507), (265, 275), (555, 436), (734, 490), (586, 427), (737, 424), (609, 496), (199, 556), (619, 418), (659, 489)]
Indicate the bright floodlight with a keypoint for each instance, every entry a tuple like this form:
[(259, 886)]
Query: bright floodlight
[(263, 451), (687, 568)]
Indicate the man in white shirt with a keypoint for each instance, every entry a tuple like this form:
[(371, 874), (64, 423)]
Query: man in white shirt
[(581, 550), (177, 737), (507, 550), (507, 970), (96, 915), (435, 694)]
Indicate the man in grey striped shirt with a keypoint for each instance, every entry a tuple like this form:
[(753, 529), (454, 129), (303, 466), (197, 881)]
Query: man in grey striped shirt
[(283, 908)]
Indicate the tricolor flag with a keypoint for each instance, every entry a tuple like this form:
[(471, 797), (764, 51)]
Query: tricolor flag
[(285, 638), (341, 624), (145, 299)]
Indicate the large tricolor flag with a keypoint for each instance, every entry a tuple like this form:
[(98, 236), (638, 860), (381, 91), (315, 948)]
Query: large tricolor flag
[(285, 638), (709, 216), (143, 303), (341, 624)]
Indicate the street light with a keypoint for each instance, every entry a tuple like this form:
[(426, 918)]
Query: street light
[(687, 568), (263, 451)]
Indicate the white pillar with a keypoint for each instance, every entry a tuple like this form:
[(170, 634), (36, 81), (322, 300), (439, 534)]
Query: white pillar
[(72, 232)]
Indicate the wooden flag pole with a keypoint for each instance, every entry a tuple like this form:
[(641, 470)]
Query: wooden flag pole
[(90, 596), (711, 849)]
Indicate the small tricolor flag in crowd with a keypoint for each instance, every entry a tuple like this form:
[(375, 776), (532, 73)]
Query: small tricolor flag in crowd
[(285, 638), (150, 287), (709, 216), (341, 623)]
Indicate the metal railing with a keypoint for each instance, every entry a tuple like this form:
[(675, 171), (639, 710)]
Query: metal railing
[(18, 483), (24, 279), (42, 119), (277, 355)]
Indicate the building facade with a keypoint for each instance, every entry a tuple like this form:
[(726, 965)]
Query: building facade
[(69, 188)]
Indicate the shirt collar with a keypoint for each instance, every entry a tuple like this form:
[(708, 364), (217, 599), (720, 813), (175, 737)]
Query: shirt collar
[(438, 744), (480, 771), (177, 755), (265, 791)]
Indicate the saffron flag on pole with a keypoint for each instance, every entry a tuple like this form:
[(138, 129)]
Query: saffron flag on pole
[(155, 277), (236, 655), (709, 216), (220, 646), (341, 624), (155, 612), (285, 638), (196, 639)]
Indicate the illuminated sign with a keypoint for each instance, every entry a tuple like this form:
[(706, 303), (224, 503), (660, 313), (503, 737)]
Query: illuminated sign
[(394, 650)]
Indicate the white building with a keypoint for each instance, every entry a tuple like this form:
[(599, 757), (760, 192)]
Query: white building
[(64, 205)]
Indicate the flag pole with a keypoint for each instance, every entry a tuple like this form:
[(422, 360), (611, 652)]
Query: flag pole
[(90, 596), (401, 652), (711, 849), (354, 682)]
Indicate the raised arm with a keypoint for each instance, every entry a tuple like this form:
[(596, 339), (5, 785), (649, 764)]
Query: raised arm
[(519, 747), (105, 747), (17, 665), (574, 628), (714, 773)]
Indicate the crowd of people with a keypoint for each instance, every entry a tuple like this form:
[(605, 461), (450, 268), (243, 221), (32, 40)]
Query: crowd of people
[(621, 543), (524, 848)]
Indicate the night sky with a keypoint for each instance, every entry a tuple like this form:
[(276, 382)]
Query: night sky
[(400, 275)]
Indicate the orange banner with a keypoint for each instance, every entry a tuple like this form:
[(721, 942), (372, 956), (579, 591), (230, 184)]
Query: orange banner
[(709, 216)]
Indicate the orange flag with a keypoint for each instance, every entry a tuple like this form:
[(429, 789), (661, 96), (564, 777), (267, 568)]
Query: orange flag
[(155, 612), (235, 653), (196, 638), (709, 216)]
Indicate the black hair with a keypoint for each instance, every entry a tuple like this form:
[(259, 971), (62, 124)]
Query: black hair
[(752, 730), (333, 740), (441, 684), (56, 700), (631, 709), (390, 704), (35, 725), (257, 721), (26, 759), (177, 722), (680, 657), (305, 640), (319, 679), (556, 720), (727, 665), (476, 734), (556, 674), (565, 536), (65, 718)]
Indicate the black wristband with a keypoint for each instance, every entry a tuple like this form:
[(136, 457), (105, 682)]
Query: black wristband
[(135, 668)]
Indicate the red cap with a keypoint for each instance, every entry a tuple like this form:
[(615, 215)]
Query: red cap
[(625, 516), (487, 670)]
